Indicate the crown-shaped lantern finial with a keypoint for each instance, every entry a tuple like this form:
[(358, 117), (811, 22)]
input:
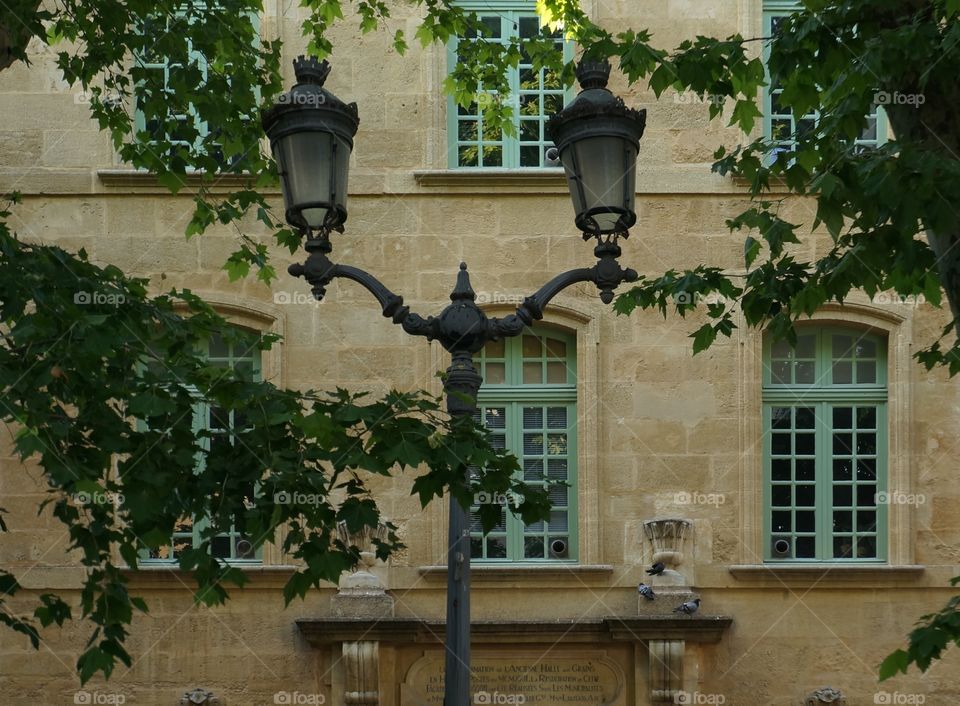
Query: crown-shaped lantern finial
[(309, 69), (593, 74)]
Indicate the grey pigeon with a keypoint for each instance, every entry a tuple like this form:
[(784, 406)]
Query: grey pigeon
[(688, 608), (656, 569), (645, 591)]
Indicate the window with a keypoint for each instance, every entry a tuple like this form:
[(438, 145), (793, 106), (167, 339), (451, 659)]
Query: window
[(222, 425), (529, 403), (825, 443), (180, 124), (779, 124), (535, 95)]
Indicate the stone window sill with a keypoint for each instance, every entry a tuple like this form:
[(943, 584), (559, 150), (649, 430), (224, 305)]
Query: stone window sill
[(502, 180), (495, 573), (142, 179), (172, 577), (827, 573)]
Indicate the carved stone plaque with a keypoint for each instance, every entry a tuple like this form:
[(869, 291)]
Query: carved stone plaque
[(530, 678)]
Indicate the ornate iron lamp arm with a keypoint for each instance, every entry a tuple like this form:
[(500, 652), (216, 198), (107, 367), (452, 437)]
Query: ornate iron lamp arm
[(319, 271), (607, 274)]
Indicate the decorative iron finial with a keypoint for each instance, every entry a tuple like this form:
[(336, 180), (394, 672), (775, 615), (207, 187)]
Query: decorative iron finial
[(463, 290), (309, 70), (593, 74)]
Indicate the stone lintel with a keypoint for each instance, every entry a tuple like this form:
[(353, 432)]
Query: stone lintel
[(708, 628)]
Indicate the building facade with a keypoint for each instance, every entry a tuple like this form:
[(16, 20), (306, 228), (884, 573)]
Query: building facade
[(805, 495)]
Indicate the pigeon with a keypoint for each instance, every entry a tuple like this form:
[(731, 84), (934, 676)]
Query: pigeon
[(656, 569), (645, 591), (688, 608)]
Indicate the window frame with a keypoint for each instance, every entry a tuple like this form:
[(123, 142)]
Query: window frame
[(823, 396), (202, 126), (515, 395), (201, 422), (508, 11), (782, 8)]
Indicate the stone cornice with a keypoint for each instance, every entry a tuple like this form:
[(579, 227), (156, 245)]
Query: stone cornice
[(492, 573), (707, 628), (856, 574)]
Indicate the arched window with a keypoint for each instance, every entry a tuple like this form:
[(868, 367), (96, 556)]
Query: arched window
[(825, 446), (529, 402)]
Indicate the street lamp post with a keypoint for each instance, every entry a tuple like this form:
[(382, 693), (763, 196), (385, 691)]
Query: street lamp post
[(311, 135)]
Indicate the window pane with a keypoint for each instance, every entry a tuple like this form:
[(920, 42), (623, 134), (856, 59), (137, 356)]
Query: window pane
[(842, 417), (843, 521), (532, 347), (805, 418), (556, 349), (842, 469), (842, 547), (842, 495), (532, 469), (556, 417), (806, 496), (495, 349), (496, 548), (805, 548), (532, 374), (866, 520), (780, 469), (533, 548), (496, 417), (533, 443), (556, 373), (806, 444), (532, 417), (806, 469), (495, 374), (805, 372), (806, 521), (558, 520), (781, 417), (781, 444), (781, 521), (782, 496), (842, 373), (866, 495), (866, 417), (866, 547), (557, 469), (866, 470), (866, 372)]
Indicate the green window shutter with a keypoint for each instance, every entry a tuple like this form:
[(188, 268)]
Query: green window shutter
[(535, 95), (244, 356), (528, 402), (825, 447)]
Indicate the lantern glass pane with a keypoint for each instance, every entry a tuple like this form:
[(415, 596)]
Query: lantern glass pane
[(305, 161), (608, 173)]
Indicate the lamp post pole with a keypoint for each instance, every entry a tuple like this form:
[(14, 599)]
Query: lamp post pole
[(311, 134)]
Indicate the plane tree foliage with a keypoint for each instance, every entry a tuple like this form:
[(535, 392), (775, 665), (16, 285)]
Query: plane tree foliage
[(888, 215)]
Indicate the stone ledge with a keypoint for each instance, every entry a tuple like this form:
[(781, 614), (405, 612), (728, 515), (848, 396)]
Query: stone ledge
[(144, 180), (827, 573), (523, 179), (172, 577), (708, 629), (489, 573)]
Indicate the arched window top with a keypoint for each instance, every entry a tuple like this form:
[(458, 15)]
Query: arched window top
[(538, 358), (827, 357)]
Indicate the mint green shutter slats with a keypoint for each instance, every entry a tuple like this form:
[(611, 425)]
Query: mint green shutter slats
[(528, 402), (825, 447)]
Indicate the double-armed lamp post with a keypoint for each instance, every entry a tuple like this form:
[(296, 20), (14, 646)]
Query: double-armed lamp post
[(311, 135)]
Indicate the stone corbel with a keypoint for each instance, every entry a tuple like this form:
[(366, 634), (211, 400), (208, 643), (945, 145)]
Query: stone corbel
[(361, 666), (826, 695), (665, 670)]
